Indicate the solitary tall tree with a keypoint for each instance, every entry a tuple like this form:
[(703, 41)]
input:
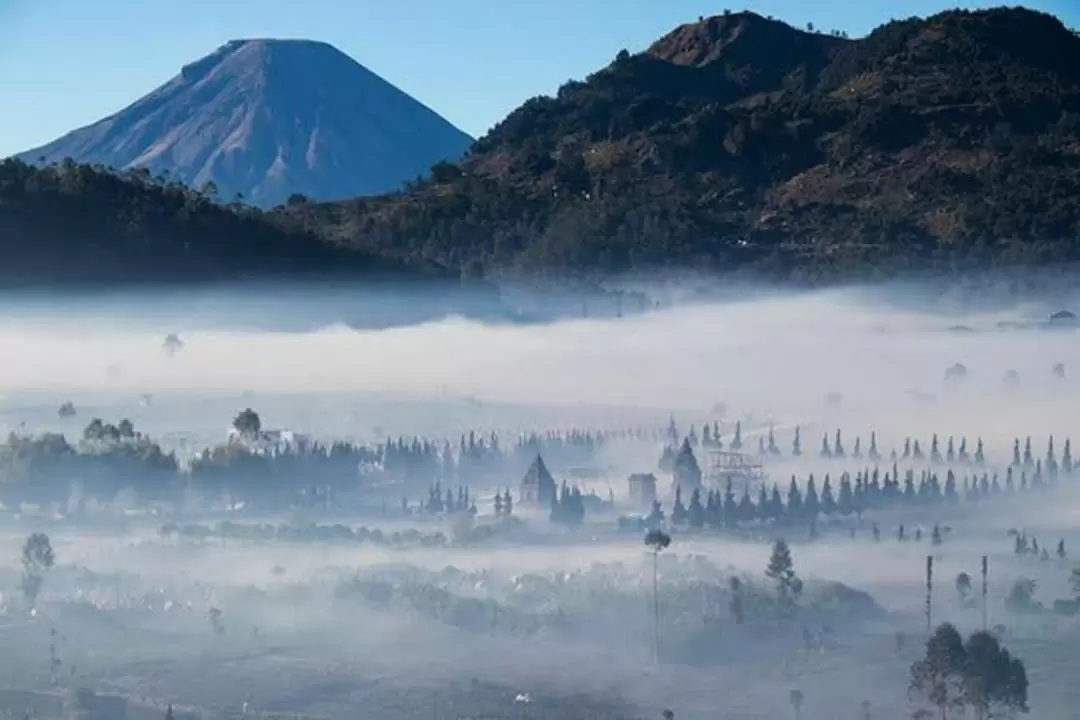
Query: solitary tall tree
[(657, 541), (781, 569), (37, 558)]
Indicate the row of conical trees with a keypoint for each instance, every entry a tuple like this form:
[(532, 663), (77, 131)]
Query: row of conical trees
[(955, 451), (867, 489)]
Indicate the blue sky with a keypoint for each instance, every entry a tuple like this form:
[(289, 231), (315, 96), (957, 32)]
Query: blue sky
[(66, 63)]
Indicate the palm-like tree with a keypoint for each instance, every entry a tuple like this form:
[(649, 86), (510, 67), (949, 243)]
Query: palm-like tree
[(657, 540)]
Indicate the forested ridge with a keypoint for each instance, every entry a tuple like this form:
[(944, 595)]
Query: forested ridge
[(77, 224), (732, 143), (741, 142)]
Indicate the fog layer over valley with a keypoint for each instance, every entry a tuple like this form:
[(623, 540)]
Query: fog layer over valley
[(435, 520)]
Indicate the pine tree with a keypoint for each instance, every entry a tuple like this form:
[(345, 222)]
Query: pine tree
[(796, 443), (776, 505), (950, 488), (828, 502), (810, 499), (874, 454), (731, 506), (678, 510), (747, 511), (696, 512), (825, 451), (713, 510), (686, 469), (781, 569), (764, 507), (794, 500), (909, 487), (845, 502), (838, 446), (736, 442)]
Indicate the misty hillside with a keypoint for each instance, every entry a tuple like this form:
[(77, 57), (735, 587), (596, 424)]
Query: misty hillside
[(741, 142), (267, 119)]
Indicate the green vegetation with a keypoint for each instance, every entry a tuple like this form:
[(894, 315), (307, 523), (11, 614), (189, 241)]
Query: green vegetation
[(978, 674), (73, 223), (742, 143), (736, 143)]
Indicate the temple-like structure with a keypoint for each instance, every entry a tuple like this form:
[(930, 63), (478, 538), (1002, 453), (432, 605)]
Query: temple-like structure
[(538, 486)]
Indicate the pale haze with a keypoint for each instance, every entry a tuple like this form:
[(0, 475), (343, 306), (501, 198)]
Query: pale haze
[(528, 610)]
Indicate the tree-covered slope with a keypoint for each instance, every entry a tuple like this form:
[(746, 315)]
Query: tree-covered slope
[(740, 142)]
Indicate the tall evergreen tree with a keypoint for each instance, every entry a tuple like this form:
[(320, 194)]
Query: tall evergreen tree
[(696, 511), (686, 470), (811, 505), (828, 501), (747, 511), (731, 506), (776, 505), (781, 570), (794, 500), (845, 502), (764, 508), (678, 510)]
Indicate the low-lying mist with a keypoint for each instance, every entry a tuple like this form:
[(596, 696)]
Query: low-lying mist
[(418, 610), (776, 358)]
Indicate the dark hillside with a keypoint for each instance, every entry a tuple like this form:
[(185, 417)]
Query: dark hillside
[(77, 224), (738, 142)]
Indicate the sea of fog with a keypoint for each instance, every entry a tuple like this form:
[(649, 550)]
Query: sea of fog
[(774, 360), (856, 360)]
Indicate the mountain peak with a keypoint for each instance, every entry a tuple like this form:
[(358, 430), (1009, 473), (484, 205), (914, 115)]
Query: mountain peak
[(267, 118), (747, 35)]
